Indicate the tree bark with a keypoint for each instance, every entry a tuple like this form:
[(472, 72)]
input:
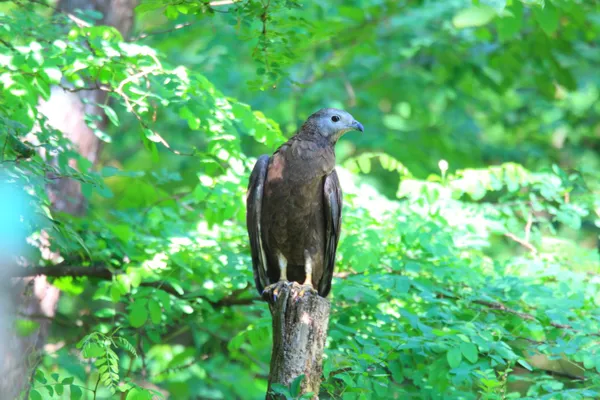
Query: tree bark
[(36, 296), (300, 322)]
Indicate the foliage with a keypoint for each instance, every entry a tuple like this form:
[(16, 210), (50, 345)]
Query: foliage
[(468, 265)]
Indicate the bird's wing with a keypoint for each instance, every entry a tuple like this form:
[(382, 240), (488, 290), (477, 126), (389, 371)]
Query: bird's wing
[(332, 200), (253, 213)]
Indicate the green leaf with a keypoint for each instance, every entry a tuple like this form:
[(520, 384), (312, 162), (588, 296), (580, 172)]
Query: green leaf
[(76, 392), (155, 311), (124, 343), (278, 388), (110, 113), (547, 18), (35, 395), (295, 385), (138, 394), (364, 163), (53, 74), (474, 16), (39, 376), (525, 364), (508, 27), (454, 357), (92, 350), (171, 12), (138, 314), (469, 351), (100, 134), (67, 381)]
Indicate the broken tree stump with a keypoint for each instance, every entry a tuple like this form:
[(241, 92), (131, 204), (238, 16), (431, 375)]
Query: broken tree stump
[(300, 321)]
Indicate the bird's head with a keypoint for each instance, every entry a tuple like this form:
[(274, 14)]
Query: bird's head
[(332, 123)]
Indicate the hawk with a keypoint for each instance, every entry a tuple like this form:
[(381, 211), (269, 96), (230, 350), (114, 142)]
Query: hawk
[(294, 206)]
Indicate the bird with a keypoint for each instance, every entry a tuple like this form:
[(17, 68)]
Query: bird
[(294, 207)]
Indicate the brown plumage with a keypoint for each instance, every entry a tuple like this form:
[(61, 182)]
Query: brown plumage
[(294, 205)]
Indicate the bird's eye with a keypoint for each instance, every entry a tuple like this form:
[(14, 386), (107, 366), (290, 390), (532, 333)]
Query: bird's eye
[(335, 118)]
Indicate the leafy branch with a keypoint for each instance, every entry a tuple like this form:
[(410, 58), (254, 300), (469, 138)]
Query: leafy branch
[(104, 273)]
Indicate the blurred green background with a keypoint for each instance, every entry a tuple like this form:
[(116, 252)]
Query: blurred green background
[(508, 81), (469, 260)]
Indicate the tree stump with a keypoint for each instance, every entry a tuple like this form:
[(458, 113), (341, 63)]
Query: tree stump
[(300, 321)]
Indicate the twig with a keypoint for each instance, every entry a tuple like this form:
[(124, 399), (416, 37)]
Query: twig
[(97, 383), (217, 3), (523, 315), (101, 272), (502, 307), (522, 242), (128, 103), (57, 271), (528, 226), (7, 44), (78, 21), (38, 361), (177, 27), (173, 29), (144, 72)]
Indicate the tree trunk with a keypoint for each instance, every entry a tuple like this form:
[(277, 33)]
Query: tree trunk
[(35, 296), (300, 324)]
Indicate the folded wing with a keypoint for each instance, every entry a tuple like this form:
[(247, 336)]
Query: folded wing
[(253, 214), (332, 200)]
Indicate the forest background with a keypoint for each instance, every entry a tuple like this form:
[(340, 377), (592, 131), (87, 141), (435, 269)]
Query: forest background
[(469, 261)]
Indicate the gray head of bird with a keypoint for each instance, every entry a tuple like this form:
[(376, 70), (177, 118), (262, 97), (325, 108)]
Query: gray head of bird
[(332, 123)]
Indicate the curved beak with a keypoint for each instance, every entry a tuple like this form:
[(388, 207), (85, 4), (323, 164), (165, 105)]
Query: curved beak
[(357, 126)]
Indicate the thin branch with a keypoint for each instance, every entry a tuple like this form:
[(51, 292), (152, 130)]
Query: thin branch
[(38, 361), (97, 383), (523, 315), (101, 272), (502, 307), (85, 88), (144, 124), (143, 73), (522, 242), (177, 27), (78, 21), (528, 226), (57, 271), (7, 44), (217, 3)]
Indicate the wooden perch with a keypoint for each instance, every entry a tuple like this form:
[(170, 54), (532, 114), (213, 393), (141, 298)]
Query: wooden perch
[(300, 322)]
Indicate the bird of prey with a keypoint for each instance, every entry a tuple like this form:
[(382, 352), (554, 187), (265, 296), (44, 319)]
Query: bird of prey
[(294, 206)]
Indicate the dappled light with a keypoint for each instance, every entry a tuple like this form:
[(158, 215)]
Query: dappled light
[(468, 265)]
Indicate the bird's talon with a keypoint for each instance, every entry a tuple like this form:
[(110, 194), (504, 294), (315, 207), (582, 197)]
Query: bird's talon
[(271, 292)]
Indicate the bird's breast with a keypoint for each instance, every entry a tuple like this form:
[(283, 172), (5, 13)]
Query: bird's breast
[(293, 206)]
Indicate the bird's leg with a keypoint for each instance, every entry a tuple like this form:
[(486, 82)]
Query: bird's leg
[(307, 286), (271, 292), (282, 267), (307, 269)]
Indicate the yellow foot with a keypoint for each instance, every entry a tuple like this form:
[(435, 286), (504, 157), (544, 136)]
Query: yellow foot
[(271, 292), (306, 288)]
